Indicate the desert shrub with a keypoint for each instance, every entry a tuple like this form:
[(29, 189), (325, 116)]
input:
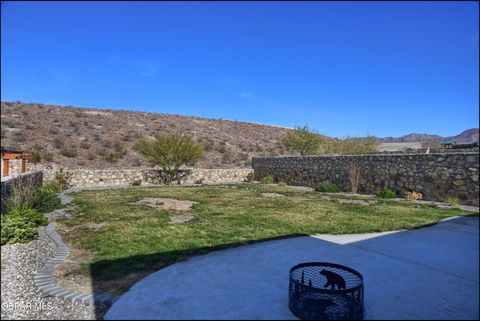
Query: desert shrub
[(20, 225), (453, 201), (68, 152), (302, 140), (58, 142), (84, 145), (113, 156), (22, 193), (62, 179), (386, 193), (170, 152), (35, 156), (46, 198), (250, 177), (282, 184), (413, 196), (268, 179), (48, 157), (327, 187), (19, 137)]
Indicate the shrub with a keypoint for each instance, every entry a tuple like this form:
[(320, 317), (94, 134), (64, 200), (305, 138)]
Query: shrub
[(170, 152), (302, 140), (268, 179), (327, 187), (58, 142), (35, 156), (25, 212), (386, 193), (282, 184), (68, 152), (85, 145), (48, 157), (46, 198), (17, 231), (20, 225), (413, 196), (250, 177), (453, 201), (62, 179), (137, 182)]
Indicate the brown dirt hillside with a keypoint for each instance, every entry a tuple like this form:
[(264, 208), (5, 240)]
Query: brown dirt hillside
[(81, 138)]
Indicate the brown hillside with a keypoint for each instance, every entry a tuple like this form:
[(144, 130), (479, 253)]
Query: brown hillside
[(94, 138)]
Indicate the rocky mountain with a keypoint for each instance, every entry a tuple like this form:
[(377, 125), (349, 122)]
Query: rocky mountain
[(467, 136), (90, 138), (103, 139)]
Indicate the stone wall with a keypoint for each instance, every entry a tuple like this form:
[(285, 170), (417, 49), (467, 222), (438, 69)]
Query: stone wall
[(436, 176), (30, 180), (151, 176)]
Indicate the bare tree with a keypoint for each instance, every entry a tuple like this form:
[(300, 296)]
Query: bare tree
[(354, 175)]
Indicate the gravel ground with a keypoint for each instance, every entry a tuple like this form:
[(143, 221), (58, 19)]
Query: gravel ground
[(20, 299)]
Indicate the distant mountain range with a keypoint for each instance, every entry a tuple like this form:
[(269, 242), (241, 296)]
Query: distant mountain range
[(467, 136)]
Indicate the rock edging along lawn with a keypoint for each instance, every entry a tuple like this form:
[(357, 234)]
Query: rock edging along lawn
[(45, 281)]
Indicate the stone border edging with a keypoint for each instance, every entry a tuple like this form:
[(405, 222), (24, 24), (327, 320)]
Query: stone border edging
[(45, 282)]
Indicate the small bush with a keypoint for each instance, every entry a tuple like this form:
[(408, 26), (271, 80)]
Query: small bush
[(282, 184), (68, 152), (84, 145), (137, 182), (58, 142), (48, 157), (250, 177), (413, 196), (20, 225), (268, 179), (453, 201), (17, 231), (62, 179), (327, 187), (386, 193), (46, 198), (35, 156)]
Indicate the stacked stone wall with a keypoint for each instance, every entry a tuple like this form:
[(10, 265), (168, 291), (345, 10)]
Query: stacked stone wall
[(437, 176), (151, 176)]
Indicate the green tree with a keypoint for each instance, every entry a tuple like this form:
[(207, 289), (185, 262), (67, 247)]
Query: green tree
[(302, 140), (170, 152)]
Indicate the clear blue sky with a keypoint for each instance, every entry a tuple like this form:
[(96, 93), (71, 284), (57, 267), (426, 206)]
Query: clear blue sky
[(344, 68)]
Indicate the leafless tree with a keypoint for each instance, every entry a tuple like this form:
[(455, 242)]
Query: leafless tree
[(354, 175)]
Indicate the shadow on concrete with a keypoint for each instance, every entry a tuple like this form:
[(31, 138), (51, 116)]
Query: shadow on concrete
[(426, 273)]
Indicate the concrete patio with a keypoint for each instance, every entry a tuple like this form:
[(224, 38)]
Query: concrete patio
[(429, 273)]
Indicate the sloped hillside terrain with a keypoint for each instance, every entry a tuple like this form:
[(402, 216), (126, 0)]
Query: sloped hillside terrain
[(103, 139)]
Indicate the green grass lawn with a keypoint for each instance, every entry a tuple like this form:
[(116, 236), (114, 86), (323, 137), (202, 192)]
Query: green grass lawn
[(126, 239)]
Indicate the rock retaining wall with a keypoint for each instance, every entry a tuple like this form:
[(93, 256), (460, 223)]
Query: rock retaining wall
[(436, 176), (151, 176)]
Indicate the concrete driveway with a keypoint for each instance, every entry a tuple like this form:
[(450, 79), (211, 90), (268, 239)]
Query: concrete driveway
[(429, 273)]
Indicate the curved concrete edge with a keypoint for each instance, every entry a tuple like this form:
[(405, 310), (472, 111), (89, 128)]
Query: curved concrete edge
[(45, 282)]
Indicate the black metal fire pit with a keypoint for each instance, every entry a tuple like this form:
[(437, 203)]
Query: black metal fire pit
[(325, 291)]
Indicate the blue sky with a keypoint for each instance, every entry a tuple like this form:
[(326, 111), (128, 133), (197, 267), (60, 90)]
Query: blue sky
[(344, 68)]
